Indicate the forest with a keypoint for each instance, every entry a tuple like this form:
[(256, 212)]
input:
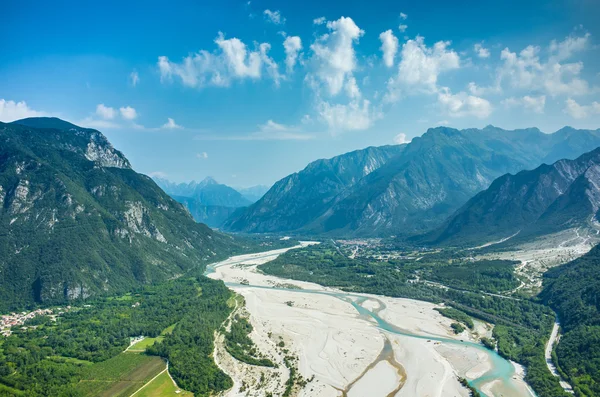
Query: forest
[(573, 291), (49, 360)]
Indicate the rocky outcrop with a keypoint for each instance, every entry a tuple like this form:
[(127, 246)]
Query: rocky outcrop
[(103, 154)]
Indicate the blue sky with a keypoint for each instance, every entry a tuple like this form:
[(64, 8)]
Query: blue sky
[(248, 92)]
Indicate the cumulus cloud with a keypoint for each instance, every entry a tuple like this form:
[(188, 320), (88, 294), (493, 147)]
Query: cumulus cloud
[(134, 78), (463, 104), (534, 103), (274, 17), (233, 60), (334, 57), (128, 113), (420, 67), (401, 139), (202, 156), (403, 15), (11, 111), (319, 21), (577, 111), (568, 47), (171, 125), (292, 46), (526, 71), (105, 112), (481, 51), (356, 115), (402, 28), (389, 47)]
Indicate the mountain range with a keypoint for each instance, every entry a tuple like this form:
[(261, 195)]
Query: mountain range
[(208, 201), (529, 204), (76, 220), (404, 189)]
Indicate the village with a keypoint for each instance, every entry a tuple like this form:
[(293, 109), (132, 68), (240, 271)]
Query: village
[(8, 321)]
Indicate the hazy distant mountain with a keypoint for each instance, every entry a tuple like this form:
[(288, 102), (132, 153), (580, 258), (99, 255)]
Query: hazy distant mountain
[(302, 197), (76, 220), (208, 192), (413, 191), (547, 199), (208, 201), (253, 193)]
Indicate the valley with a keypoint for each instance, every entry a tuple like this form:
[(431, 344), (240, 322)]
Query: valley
[(351, 342)]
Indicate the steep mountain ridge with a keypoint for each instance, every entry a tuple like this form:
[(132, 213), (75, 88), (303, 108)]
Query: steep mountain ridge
[(302, 197), (541, 201), (76, 220), (414, 191)]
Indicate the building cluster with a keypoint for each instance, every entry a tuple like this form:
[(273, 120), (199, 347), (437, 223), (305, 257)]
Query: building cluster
[(18, 319)]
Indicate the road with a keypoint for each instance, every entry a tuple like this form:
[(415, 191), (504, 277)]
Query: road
[(554, 336)]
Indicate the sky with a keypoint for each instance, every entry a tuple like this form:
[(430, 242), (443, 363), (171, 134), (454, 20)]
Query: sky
[(250, 91)]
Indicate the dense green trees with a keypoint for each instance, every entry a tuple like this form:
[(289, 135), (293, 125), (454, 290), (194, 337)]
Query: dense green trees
[(573, 290), (46, 361)]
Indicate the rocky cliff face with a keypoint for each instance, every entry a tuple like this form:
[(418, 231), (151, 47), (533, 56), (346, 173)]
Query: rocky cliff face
[(76, 220)]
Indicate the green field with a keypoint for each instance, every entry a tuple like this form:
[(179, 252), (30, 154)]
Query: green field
[(142, 345), (162, 386), (119, 376)]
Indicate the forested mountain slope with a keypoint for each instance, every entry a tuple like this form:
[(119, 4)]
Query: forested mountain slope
[(573, 291), (76, 220)]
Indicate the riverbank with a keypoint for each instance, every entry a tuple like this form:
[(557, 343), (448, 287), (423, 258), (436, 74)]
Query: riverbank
[(339, 338)]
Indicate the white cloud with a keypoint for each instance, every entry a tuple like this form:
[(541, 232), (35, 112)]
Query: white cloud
[(202, 156), (128, 113), (389, 47), (463, 104), (105, 112), (420, 67), (292, 46), (481, 51), (232, 61), (577, 111), (568, 47), (479, 91), (269, 131), (11, 111), (274, 17), (334, 57), (319, 21), (356, 115), (402, 28), (533, 103), (401, 139), (134, 78), (158, 174), (102, 124), (171, 125), (526, 71), (403, 15)]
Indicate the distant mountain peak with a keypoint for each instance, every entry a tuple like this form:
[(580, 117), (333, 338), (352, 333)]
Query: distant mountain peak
[(209, 180)]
